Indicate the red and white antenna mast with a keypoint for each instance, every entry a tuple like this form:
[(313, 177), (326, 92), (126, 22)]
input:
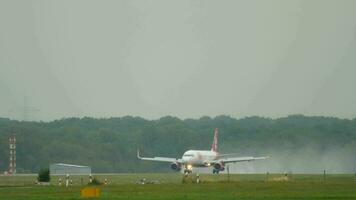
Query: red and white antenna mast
[(12, 158)]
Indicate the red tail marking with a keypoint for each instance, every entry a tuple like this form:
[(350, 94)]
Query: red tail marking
[(214, 146)]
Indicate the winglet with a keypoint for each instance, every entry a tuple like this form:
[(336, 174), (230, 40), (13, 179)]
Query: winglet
[(263, 158), (138, 154)]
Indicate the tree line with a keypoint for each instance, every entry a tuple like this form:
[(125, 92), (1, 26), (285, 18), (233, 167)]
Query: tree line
[(110, 144)]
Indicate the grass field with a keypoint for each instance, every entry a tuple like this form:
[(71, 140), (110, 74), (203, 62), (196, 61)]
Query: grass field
[(170, 186)]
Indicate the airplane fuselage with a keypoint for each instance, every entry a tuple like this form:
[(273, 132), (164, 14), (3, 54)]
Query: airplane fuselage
[(199, 158)]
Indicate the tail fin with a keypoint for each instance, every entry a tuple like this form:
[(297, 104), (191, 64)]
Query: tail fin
[(214, 146)]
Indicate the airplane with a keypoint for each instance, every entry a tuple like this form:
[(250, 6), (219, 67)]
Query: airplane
[(202, 158)]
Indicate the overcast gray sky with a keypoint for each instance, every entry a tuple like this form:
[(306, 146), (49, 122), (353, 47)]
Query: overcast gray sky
[(182, 58)]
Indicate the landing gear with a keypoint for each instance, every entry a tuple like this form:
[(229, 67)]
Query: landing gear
[(216, 171), (188, 169)]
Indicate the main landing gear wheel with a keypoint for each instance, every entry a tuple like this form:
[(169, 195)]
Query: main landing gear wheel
[(215, 171), (187, 171)]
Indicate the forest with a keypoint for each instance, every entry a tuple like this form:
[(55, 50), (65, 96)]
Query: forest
[(303, 144)]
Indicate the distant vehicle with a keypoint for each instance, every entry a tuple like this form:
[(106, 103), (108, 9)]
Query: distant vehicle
[(202, 158)]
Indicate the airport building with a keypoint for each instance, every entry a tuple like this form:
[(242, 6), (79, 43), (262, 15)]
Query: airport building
[(63, 169)]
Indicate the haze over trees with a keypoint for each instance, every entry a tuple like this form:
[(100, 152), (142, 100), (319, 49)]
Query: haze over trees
[(296, 143)]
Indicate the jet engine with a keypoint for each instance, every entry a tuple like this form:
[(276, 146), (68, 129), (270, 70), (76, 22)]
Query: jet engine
[(219, 166), (175, 166)]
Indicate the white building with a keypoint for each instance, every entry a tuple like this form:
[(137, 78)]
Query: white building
[(62, 169)]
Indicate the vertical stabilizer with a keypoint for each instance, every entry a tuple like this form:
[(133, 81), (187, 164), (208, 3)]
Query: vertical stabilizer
[(214, 146)]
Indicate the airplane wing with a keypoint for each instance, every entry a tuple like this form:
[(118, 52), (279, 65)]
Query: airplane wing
[(159, 159), (239, 159), (227, 154)]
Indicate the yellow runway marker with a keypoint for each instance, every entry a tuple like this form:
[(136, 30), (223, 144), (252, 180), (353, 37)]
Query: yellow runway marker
[(90, 192)]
